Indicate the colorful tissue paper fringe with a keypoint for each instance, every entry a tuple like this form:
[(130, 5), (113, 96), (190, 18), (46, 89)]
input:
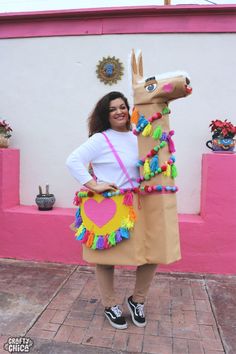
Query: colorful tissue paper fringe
[(100, 241)]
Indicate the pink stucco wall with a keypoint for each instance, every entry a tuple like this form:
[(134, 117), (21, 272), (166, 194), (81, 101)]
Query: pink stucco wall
[(208, 240)]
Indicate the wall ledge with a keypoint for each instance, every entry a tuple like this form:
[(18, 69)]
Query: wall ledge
[(126, 11), (120, 20), (33, 210)]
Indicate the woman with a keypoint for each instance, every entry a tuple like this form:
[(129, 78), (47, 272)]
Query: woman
[(111, 115)]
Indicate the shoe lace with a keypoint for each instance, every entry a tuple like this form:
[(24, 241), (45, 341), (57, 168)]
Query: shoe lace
[(140, 310), (117, 311)]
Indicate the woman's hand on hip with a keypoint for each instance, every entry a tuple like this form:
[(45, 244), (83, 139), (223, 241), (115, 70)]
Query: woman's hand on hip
[(100, 187)]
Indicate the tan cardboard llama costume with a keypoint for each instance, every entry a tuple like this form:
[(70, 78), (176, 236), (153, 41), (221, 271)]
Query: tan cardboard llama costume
[(154, 236)]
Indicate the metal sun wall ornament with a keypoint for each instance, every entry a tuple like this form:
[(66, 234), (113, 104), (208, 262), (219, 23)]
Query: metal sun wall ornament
[(109, 70)]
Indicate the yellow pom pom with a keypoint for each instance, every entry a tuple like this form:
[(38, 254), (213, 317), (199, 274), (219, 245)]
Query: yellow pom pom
[(146, 167), (127, 223), (167, 172), (79, 230), (147, 131)]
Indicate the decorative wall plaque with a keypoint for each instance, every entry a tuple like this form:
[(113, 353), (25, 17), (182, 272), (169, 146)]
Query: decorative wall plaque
[(109, 70)]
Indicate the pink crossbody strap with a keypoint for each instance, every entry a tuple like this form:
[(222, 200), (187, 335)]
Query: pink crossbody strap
[(118, 160)]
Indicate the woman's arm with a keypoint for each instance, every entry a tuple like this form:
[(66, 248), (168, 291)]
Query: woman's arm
[(80, 157)]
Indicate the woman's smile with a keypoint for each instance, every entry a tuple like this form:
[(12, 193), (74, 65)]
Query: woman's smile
[(118, 115)]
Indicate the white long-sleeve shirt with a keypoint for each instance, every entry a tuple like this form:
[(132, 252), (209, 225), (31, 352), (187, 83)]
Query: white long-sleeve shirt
[(106, 168)]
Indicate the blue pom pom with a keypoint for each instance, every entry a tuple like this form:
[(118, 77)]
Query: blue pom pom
[(154, 164), (77, 214), (81, 235), (142, 122), (124, 232), (159, 188)]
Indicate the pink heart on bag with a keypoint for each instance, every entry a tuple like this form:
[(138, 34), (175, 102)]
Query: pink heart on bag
[(100, 212)]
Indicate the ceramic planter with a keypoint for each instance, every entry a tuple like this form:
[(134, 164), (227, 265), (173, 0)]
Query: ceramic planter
[(4, 141), (45, 201), (221, 144)]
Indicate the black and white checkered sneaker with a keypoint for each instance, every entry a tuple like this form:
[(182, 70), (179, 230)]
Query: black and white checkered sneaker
[(114, 316), (137, 312)]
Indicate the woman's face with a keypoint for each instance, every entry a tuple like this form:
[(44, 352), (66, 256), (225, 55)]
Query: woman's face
[(118, 115)]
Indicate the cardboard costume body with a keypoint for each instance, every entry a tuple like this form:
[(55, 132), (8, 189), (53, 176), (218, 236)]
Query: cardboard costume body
[(154, 235)]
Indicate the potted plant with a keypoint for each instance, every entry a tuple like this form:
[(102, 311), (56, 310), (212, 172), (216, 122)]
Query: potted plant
[(5, 133), (223, 133)]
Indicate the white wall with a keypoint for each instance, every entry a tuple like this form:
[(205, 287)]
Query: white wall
[(45, 5), (48, 87)]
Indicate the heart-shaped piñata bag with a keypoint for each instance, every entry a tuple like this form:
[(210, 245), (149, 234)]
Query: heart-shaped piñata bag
[(103, 220)]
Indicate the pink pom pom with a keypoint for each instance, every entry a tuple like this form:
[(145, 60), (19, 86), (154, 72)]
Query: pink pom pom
[(128, 198)]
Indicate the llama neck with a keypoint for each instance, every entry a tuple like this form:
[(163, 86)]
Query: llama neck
[(146, 143), (149, 109)]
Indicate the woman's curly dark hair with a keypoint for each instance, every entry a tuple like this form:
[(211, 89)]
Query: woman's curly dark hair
[(98, 120)]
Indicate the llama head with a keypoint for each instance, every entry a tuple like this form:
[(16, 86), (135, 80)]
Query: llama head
[(158, 88)]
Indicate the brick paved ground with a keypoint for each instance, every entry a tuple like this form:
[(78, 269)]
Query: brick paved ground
[(58, 307)]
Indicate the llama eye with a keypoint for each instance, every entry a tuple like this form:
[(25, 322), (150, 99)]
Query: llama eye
[(151, 87)]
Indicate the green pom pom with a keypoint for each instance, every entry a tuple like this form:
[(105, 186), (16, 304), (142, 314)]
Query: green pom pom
[(94, 242), (112, 238), (156, 148), (152, 174), (159, 170), (163, 144), (157, 133), (166, 110), (173, 171), (146, 177)]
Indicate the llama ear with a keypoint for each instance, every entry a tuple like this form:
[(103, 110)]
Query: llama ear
[(140, 65), (134, 67), (137, 67)]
